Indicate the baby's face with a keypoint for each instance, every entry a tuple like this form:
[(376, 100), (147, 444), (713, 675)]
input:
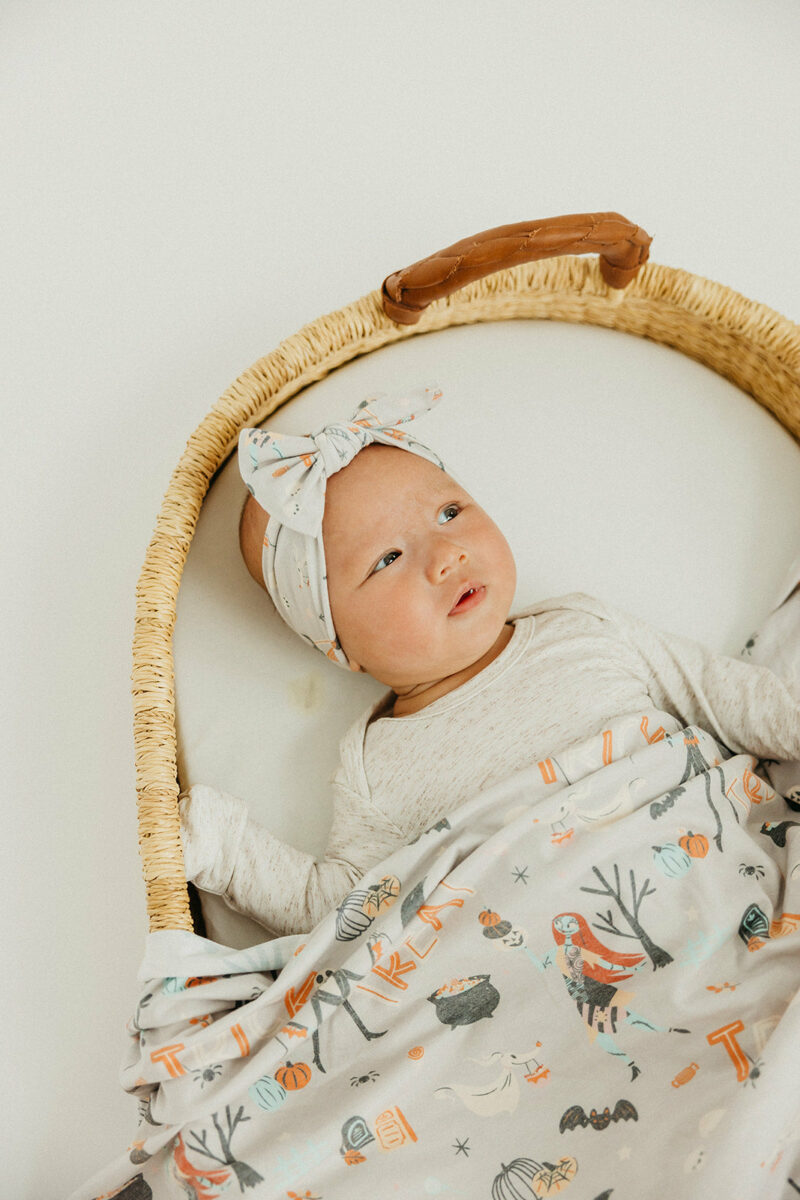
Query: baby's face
[(402, 542)]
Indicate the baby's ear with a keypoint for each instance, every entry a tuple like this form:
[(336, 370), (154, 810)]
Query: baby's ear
[(252, 527)]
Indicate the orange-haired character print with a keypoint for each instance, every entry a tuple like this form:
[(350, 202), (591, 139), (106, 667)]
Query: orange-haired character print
[(592, 973)]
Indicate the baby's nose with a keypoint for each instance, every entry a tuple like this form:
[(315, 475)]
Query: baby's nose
[(447, 558)]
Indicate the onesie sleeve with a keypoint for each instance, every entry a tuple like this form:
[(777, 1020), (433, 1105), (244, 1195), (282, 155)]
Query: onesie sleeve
[(229, 854), (745, 706)]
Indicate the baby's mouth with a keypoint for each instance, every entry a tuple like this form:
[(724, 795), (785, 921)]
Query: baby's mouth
[(469, 599)]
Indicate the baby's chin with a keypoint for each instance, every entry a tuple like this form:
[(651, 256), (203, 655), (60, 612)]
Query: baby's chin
[(458, 666)]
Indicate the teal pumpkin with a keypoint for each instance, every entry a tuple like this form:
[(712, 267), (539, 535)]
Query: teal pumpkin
[(671, 860), (267, 1093)]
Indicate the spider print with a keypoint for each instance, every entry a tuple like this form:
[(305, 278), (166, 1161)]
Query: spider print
[(207, 1074), (355, 1080), (755, 1070), (753, 872)]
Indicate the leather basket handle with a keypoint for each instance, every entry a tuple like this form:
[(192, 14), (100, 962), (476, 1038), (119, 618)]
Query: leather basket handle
[(623, 248)]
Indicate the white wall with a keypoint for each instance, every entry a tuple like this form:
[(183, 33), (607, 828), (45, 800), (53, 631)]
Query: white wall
[(186, 183)]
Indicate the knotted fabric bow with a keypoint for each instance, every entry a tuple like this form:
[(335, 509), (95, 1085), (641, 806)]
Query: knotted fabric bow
[(287, 475)]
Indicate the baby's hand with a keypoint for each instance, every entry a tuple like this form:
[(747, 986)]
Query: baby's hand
[(191, 806), (211, 823)]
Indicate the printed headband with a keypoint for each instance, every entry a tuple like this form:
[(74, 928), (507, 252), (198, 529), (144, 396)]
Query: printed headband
[(288, 475)]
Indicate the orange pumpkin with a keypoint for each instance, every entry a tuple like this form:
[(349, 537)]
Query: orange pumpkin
[(695, 844), (487, 917), (293, 1076)]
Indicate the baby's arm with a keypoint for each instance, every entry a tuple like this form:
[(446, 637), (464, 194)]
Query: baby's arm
[(289, 891), (745, 706), (231, 855)]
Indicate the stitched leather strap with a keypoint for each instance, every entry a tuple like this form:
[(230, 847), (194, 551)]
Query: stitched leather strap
[(623, 248)]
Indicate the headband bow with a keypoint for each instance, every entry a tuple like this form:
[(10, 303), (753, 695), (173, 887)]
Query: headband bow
[(287, 475)]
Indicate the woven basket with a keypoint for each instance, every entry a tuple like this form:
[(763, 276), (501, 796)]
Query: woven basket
[(494, 276)]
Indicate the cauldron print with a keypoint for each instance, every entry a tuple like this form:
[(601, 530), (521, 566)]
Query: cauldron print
[(464, 1001)]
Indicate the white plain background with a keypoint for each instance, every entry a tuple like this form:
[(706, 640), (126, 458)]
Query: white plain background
[(184, 184)]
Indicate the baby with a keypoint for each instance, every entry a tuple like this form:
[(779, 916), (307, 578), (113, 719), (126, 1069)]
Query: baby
[(383, 562)]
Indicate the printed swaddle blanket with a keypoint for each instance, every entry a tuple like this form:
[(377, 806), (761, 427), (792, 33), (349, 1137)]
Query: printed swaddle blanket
[(583, 983)]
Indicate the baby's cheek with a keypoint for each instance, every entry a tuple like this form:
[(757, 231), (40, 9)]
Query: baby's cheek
[(374, 619), (406, 627)]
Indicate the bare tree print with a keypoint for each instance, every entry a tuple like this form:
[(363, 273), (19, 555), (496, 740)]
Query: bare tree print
[(246, 1175), (658, 956)]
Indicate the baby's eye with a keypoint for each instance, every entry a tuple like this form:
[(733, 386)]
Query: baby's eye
[(382, 560), (454, 508)]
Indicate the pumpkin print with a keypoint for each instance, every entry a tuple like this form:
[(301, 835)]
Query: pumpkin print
[(487, 917), (351, 918), (293, 1076), (267, 1093), (671, 860), (515, 1181), (695, 844)]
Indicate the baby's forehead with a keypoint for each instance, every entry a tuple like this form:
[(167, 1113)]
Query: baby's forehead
[(389, 470)]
